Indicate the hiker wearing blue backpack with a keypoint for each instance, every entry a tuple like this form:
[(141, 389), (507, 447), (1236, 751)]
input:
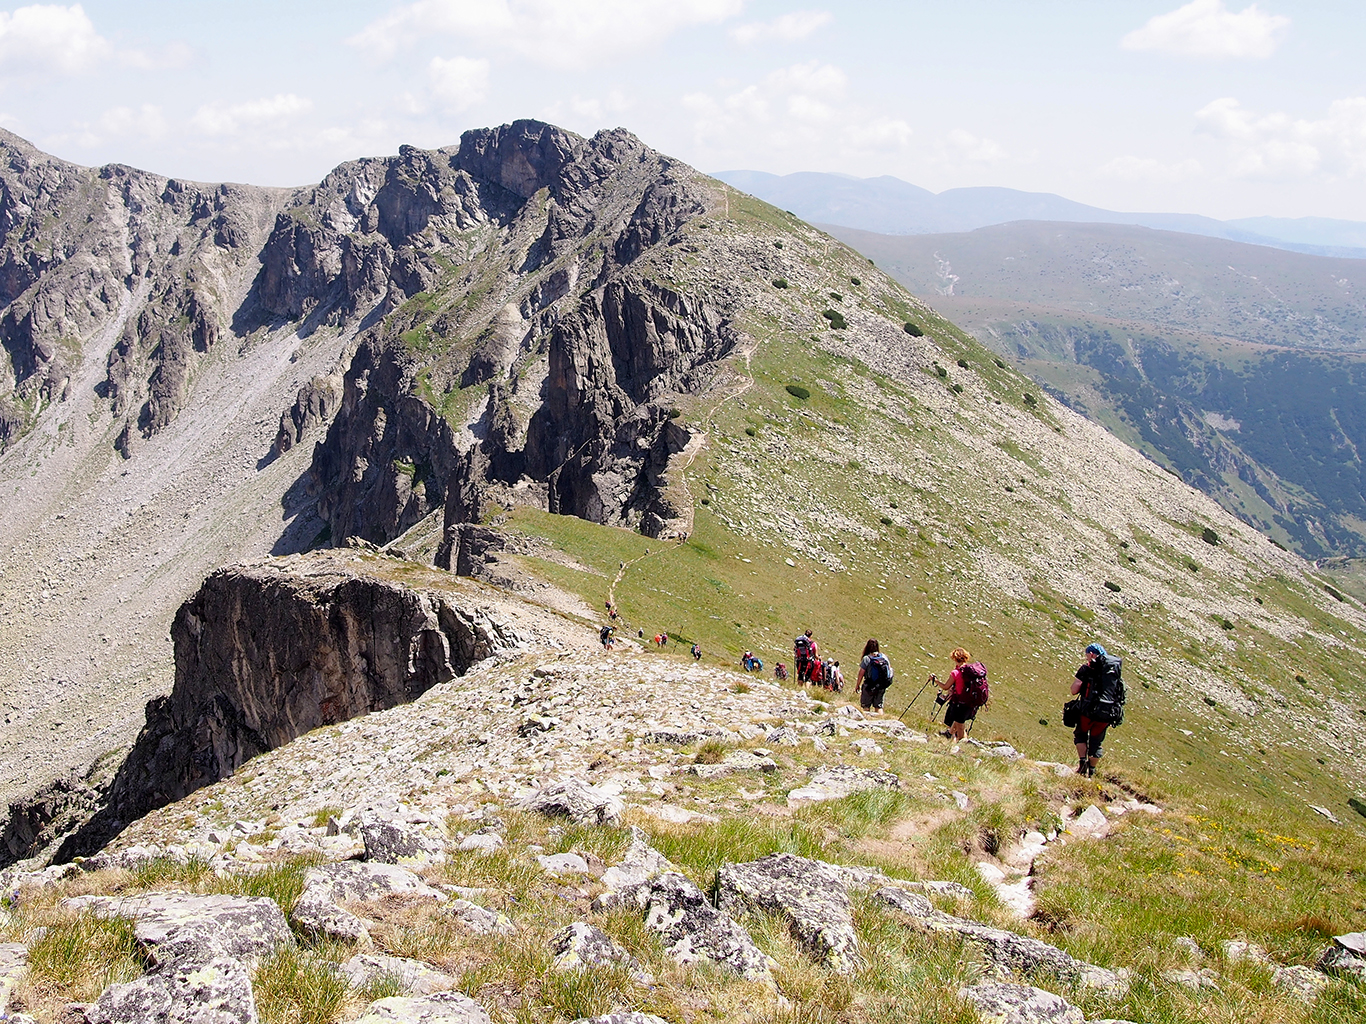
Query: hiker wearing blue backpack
[(874, 677), (965, 691)]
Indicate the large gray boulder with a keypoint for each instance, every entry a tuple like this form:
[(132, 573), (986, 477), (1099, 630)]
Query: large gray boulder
[(1346, 956), (576, 800), (438, 1008), (583, 945), (693, 929), (191, 929), (479, 920), (640, 863), (389, 841), (318, 910), (1004, 950), (810, 894), (833, 782), (13, 970), (999, 1002), (217, 991)]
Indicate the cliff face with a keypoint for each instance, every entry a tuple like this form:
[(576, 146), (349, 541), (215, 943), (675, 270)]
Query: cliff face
[(268, 652)]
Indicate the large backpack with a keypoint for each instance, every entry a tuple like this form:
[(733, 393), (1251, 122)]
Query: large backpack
[(801, 646), (975, 691), (879, 670), (1107, 692)]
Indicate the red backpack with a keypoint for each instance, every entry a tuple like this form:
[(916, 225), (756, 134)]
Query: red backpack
[(975, 692)]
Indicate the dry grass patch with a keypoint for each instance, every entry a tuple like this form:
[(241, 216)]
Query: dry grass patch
[(75, 959)]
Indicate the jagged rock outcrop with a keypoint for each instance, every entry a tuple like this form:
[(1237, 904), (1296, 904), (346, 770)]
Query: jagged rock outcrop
[(269, 651)]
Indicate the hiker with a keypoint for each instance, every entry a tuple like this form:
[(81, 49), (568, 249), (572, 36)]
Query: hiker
[(814, 668), (965, 690), (605, 635), (803, 652), (1099, 687), (836, 678), (780, 672), (696, 652), (874, 677)]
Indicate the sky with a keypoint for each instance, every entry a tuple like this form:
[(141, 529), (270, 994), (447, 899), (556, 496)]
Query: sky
[(1226, 109)]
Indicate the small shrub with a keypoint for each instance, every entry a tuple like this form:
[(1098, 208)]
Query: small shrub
[(1209, 536), (777, 243), (1030, 400), (999, 363), (675, 413), (943, 373), (912, 329), (956, 388), (797, 391), (893, 504), (837, 296), (740, 687), (1193, 566), (780, 282), (886, 521), (963, 363), (855, 281), (1112, 586), (1301, 680), (706, 501), (836, 318), (710, 752), (1277, 543), (853, 464), (1223, 622), (751, 432), (1333, 593)]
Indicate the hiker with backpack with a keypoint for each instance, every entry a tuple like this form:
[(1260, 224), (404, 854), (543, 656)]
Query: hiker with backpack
[(835, 678), (965, 691), (1099, 704), (874, 677), (804, 654)]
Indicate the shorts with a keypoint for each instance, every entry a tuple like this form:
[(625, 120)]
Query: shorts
[(955, 713), (873, 696), (1092, 733)]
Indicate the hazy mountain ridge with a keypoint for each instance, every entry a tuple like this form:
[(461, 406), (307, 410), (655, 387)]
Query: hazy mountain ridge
[(891, 206)]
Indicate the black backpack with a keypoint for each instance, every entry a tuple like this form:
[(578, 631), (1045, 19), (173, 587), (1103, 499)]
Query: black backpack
[(1107, 692)]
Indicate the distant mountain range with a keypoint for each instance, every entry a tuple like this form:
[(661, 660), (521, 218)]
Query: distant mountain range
[(891, 206)]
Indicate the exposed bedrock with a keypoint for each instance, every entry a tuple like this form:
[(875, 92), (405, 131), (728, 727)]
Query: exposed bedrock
[(264, 653)]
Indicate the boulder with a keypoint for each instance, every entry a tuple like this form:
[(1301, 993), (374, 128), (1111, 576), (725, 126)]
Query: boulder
[(1091, 822), (483, 841), (562, 864), (1000, 1002), (359, 882), (478, 920), (735, 761), (1339, 958), (216, 991), (1299, 980), (838, 781), (640, 863), (1004, 949), (389, 841), (316, 915), (810, 894), (13, 970), (576, 800), (414, 976), (692, 929), (190, 929), (438, 1008), (582, 945)]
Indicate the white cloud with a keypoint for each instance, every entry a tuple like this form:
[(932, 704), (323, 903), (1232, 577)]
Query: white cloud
[(1148, 169), (1279, 147), (266, 114), (50, 38), (786, 28), (1206, 28), (173, 55), (559, 33), (802, 110), (962, 146), (458, 83)]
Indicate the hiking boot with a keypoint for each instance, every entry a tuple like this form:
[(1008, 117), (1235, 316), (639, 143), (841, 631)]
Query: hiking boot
[(1082, 765), (947, 734), (1090, 771)]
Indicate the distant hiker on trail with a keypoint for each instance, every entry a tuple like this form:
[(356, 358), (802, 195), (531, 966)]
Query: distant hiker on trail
[(874, 676), (804, 653), (750, 663), (780, 672), (606, 636), (696, 652), (835, 677), (1099, 687), (966, 691)]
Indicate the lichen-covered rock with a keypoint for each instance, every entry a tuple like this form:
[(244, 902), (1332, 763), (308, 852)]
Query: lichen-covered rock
[(217, 991), (361, 881), (999, 1002), (737, 761), (1300, 980), (583, 945), (415, 977), (438, 1008), (478, 920), (316, 915), (1341, 958), (1005, 950), (811, 894), (576, 800), (13, 970), (692, 929), (185, 928), (640, 863), (398, 842), (837, 781)]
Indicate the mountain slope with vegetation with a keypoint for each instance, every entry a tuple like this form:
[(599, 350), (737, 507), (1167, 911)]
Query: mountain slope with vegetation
[(1238, 367)]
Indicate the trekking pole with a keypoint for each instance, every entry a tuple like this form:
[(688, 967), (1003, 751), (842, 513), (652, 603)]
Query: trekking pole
[(915, 698)]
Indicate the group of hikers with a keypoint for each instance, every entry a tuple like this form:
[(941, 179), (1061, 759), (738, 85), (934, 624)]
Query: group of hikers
[(1097, 687), (1097, 690)]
